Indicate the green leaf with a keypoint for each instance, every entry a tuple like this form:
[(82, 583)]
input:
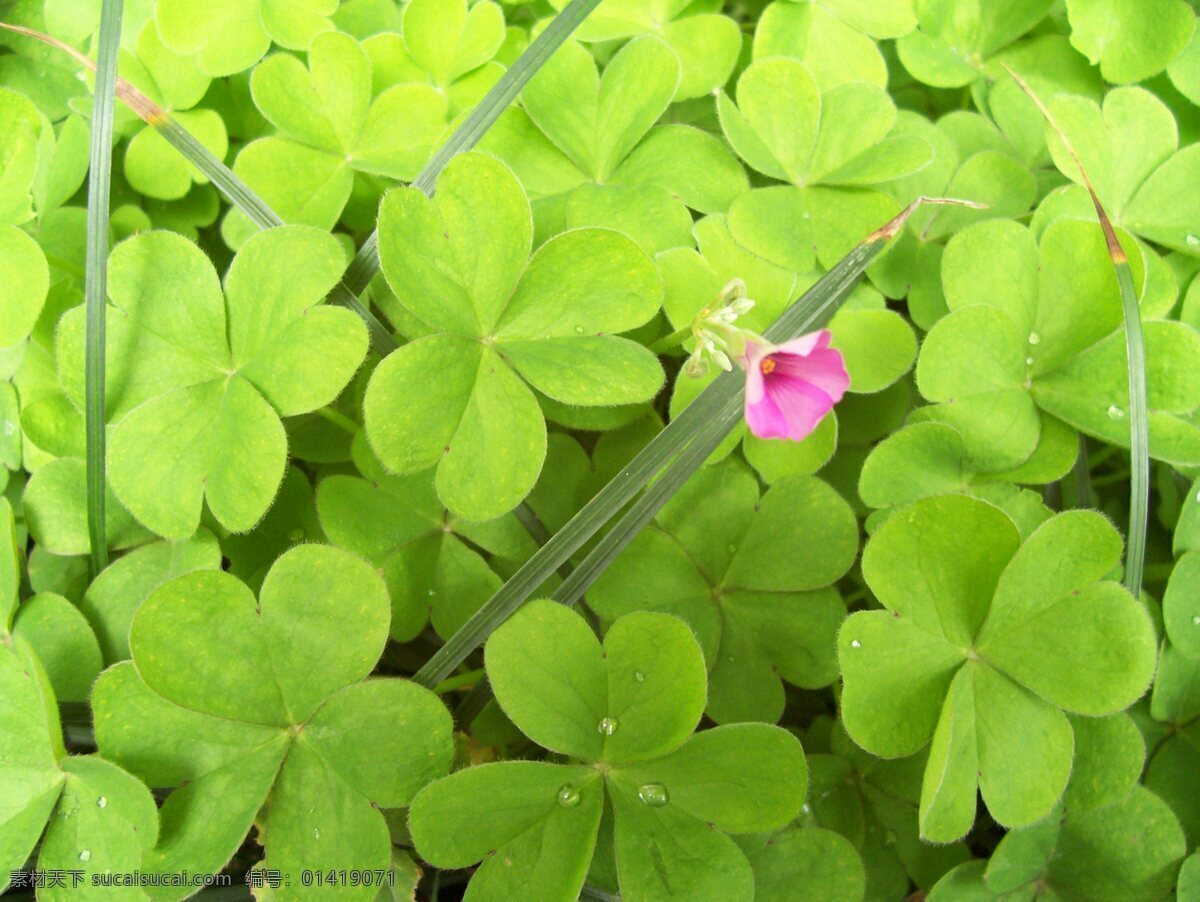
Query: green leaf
[(462, 260), (1130, 42), (63, 642), (641, 696), (822, 861), (836, 51), (227, 36), (447, 40), (115, 595), (191, 420), (274, 704), (24, 270), (1181, 607), (536, 832)]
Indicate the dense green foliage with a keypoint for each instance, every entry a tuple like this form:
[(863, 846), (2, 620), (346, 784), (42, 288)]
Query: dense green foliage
[(899, 656)]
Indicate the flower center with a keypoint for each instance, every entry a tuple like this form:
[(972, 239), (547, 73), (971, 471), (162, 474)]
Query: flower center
[(767, 366)]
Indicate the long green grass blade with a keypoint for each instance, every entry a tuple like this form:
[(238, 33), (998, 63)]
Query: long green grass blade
[(1135, 357), (366, 262), (684, 444), (96, 286)]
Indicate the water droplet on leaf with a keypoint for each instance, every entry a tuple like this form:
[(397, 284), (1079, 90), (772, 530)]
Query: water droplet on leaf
[(1196, 620), (568, 796), (85, 855), (316, 833), (1034, 338), (102, 802), (1029, 361), (579, 329), (639, 677), (607, 725), (654, 794), (1115, 413), (854, 643), (1193, 240)]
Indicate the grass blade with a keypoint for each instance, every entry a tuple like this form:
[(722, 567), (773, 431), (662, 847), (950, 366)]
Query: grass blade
[(1135, 357), (96, 288), (366, 262), (685, 444)]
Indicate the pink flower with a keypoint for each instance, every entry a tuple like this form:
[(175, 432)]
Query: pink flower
[(790, 387)]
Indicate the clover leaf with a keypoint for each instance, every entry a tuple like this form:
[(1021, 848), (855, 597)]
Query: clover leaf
[(626, 712), (821, 861), (706, 43), (26, 274), (1046, 342), (982, 646), (835, 50), (435, 563), (450, 41), (1130, 850), (750, 576), (499, 319), (956, 38), (1142, 185), (822, 142), (1130, 41), (1181, 606), (237, 703), (90, 815), (228, 36), (173, 82), (588, 151), (21, 127), (198, 378), (931, 458), (329, 128)]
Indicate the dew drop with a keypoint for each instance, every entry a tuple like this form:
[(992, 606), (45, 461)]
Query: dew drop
[(1193, 240), (102, 802), (854, 643), (316, 833), (568, 796), (639, 677), (1029, 361), (654, 794), (1034, 338), (806, 808), (85, 855), (10, 427), (1196, 620), (607, 725), (1116, 413), (579, 329)]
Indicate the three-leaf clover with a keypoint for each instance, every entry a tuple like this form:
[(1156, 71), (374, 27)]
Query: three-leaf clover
[(983, 643), (822, 142), (199, 377), (623, 714), (330, 127), (239, 703), (750, 576), (1145, 185), (449, 44), (227, 36), (956, 38), (435, 563), (1033, 331), (706, 43), (586, 147), (457, 399)]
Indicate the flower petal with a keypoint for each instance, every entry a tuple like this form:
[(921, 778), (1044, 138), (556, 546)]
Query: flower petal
[(802, 404), (823, 368)]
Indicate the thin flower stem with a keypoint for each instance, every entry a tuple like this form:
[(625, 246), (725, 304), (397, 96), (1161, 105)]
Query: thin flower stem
[(672, 341), (461, 681), (339, 419), (96, 286)]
